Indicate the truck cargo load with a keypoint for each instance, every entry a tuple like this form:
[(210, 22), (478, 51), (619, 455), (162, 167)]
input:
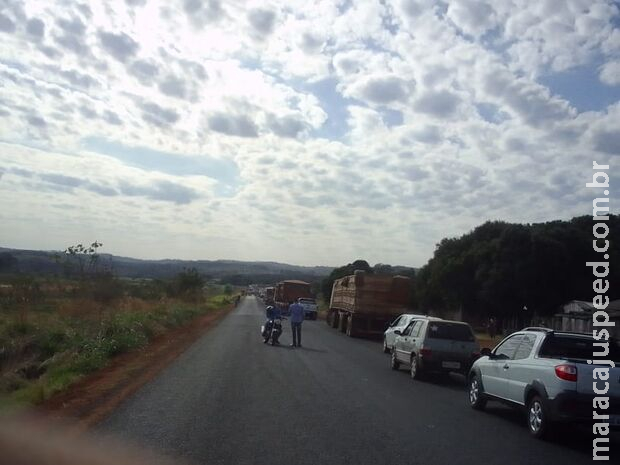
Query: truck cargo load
[(364, 305), (289, 291)]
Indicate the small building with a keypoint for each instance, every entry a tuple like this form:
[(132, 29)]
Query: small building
[(576, 316)]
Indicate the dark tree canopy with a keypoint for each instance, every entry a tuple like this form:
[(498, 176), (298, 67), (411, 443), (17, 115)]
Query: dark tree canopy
[(498, 268)]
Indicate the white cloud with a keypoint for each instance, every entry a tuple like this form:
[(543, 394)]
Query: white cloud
[(238, 127), (610, 73)]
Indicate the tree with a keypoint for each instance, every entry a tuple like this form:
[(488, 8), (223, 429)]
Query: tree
[(337, 273), (498, 268), (84, 258)]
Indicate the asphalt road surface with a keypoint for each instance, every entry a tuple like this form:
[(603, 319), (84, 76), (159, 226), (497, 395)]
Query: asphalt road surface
[(230, 399)]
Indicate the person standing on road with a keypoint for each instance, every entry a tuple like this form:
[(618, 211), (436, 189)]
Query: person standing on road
[(297, 318)]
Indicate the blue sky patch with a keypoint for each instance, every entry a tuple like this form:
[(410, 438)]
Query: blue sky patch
[(582, 88), (224, 171), (335, 105)]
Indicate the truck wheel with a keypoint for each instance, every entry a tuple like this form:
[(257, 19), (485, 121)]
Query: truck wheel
[(332, 318), (350, 331)]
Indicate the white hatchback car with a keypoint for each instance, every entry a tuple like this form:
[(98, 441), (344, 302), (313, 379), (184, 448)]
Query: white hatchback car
[(399, 323)]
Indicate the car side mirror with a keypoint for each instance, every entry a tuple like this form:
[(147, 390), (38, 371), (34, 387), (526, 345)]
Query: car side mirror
[(398, 332), (486, 352)]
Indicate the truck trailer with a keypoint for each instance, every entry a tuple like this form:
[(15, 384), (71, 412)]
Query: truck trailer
[(269, 292), (289, 291), (364, 305)]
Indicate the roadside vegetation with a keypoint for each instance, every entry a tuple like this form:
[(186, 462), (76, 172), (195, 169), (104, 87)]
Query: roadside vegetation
[(54, 330), (519, 274)]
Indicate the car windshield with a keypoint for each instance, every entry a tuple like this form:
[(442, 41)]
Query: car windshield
[(577, 347), (452, 331)]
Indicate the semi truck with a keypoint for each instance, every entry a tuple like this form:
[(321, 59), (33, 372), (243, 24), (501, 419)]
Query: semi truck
[(289, 291), (364, 305), (269, 292)]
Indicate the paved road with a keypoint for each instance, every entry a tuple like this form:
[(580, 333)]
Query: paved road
[(230, 399)]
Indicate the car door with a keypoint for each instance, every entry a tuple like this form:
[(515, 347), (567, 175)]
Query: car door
[(403, 343), (495, 369), (389, 333), (415, 337), (519, 369)]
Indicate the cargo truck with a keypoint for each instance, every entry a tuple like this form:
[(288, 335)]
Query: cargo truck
[(289, 291), (269, 292), (364, 305)]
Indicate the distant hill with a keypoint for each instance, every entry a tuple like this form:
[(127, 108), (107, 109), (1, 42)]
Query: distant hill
[(235, 272)]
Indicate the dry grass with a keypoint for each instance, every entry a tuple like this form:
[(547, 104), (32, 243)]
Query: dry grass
[(49, 342)]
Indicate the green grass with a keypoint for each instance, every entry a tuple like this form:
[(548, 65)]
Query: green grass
[(46, 353)]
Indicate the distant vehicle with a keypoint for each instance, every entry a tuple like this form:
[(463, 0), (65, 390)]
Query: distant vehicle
[(310, 308), (400, 324), (546, 372), (364, 305), (268, 295), (289, 291), (435, 345)]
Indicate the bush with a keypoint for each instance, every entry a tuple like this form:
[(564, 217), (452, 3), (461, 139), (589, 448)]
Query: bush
[(105, 288), (51, 342), (187, 285), (148, 290)]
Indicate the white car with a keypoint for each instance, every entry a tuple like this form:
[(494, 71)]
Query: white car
[(399, 323)]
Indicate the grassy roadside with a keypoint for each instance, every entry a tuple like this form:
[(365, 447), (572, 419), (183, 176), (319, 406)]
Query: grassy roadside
[(62, 340)]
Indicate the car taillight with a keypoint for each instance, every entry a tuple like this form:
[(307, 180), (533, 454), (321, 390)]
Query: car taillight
[(566, 372), (425, 352)]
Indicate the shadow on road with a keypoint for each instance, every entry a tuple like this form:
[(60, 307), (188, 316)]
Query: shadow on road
[(571, 436), (451, 381), (310, 349)]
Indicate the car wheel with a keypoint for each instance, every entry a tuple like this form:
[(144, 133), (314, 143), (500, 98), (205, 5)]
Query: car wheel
[(477, 399), (394, 363), (414, 369), (537, 421), (386, 349)]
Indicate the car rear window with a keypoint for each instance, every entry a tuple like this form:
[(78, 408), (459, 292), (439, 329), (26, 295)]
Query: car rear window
[(578, 348), (452, 331)]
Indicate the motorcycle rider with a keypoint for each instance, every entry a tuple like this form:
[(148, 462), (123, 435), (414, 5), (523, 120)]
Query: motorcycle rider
[(272, 313)]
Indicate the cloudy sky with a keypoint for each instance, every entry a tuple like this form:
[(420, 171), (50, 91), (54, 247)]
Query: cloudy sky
[(296, 131)]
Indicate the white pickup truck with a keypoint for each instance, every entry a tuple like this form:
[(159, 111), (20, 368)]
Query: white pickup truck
[(310, 308), (547, 372)]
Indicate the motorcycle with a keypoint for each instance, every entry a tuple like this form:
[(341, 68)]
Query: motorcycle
[(272, 330)]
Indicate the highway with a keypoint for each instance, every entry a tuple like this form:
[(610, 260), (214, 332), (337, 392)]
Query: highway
[(230, 399)]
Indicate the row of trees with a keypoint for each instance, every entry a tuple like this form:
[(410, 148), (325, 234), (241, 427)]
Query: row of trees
[(499, 268)]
